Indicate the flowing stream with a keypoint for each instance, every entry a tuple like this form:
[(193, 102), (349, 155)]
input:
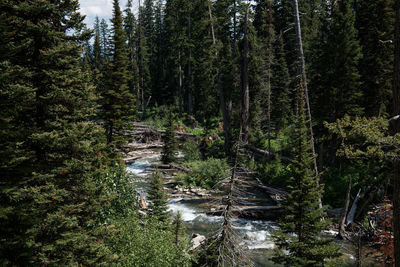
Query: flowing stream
[(256, 234)]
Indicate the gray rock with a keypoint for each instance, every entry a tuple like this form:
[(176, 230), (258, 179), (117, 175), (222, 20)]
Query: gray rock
[(197, 240)]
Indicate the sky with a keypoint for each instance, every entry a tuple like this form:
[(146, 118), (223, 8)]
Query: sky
[(101, 8)]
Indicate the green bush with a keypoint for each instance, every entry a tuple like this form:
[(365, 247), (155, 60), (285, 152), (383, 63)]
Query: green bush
[(206, 173), (191, 151), (137, 243), (274, 173)]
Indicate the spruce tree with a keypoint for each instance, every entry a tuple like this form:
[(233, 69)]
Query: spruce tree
[(375, 23), (118, 101), (158, 198), (168, 154), (130, 27), (338, 91), (178, 228), (302, 223), (51, 154)]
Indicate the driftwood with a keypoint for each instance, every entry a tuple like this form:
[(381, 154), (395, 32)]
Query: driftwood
[(260, 153), (173, 167), (253, 212)]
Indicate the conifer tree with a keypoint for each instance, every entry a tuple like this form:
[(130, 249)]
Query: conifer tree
[(118, 101), (97, 54), (170, 145), (50, 155), (143, 58), (158, 198), (178, 228), (130, 28), (338, 91), (375, 23), (302, 223), (282, 110)]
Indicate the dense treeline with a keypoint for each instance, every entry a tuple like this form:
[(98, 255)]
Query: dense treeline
[(68, 95)]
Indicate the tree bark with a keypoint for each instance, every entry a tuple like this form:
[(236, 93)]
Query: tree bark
[(189, 89), (305, 87), (224, 109), (396, 162), (304, 79), (180, 84), (245, 83), (342, 230)]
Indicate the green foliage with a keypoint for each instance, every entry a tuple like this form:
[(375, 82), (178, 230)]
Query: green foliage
[(178, 228), (118, 103), (170, 147), (158, 198), (136, 243), (191, 151), (206, 173), (51, 156), (119, 187), (365, 138), (302, 223), (274, 173)]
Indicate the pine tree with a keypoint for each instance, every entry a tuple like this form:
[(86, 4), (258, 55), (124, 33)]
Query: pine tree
[(97, 55), (170, 145), (130, 28), (143, 58), (375, 23), (282, 111), (338, 91), (302, 223), (178, 228), (50, 154), (118, 101), (158, 198)]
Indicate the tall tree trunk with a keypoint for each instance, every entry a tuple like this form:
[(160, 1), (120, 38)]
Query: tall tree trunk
[(304, 78), (304, 84), (180, 92), (342, 230), (189, 89), (224, 108), (396, 163), (245, 83)]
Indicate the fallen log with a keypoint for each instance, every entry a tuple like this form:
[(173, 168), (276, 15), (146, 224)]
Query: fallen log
[(252, 212), (263, 154)]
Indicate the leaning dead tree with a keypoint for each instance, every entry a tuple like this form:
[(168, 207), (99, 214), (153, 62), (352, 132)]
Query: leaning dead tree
[(396, 162), (224, 247), (304, 79), (305, 87)]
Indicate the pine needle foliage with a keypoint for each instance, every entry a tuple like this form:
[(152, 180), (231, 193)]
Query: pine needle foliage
[(158, 198), (302, 223), (51, 155), (118, 101)]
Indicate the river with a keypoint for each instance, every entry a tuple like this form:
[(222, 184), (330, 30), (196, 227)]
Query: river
[(256, 234)]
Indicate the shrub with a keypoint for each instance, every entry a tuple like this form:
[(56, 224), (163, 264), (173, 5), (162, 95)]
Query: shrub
[(274, 173), (191, 151), (206, 173)]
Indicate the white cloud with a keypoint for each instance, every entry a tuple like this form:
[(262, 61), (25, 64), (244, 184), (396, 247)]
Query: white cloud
[(101, 8)]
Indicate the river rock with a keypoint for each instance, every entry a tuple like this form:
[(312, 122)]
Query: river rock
[(197, 240), (250, 236)]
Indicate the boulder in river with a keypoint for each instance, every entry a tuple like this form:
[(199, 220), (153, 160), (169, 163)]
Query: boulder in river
[(197, 240), (250, 236)]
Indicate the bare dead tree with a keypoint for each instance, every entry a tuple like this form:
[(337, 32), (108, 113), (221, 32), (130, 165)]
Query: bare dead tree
[(226, 242), (396, 123), (305, 87)]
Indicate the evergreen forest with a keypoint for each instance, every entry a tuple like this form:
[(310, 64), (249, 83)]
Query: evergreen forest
[(200, 133)]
